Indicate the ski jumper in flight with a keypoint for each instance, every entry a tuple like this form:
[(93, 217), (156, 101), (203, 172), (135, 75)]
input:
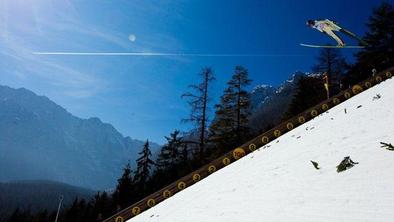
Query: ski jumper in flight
[(328, 27)]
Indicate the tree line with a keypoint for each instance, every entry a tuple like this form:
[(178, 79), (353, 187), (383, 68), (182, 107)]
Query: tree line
[(228, 128)]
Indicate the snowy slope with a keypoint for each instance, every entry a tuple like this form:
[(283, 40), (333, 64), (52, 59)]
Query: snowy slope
[(279, 183)]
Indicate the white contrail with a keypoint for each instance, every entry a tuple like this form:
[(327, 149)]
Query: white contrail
[(161, 54)]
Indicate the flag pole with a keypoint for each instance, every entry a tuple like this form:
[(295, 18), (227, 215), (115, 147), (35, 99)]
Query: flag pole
[(58, 208), (326, 85)]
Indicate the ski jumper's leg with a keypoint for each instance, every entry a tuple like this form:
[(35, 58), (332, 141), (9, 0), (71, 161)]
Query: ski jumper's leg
[(347, 32), (329, 32), (336, 27)]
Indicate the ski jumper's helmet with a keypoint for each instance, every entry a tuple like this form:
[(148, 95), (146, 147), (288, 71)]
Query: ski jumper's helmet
[(310, 22)]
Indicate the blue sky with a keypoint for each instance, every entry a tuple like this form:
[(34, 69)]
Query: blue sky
[(140, 96)]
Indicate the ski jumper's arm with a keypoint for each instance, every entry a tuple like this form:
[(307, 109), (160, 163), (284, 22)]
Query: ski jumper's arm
[(319, 25)]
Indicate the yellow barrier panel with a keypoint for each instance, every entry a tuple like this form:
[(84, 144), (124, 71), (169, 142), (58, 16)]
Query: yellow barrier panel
[(151, 203), (301, 119), (167, 194), (252, 147), (265, 139), (226, 161), (289, 126), (119, 219), (196, 177), (181, 185), (211, 169), (277, 133), (314, 113), (135, 211), (238, 153), (356, 89)]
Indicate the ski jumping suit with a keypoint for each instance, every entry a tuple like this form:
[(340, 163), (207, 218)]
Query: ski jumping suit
[(328, 27)]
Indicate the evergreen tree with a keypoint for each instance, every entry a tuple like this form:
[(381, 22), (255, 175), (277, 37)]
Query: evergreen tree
[(81, 206), (333, 65), (124, 190), (170, 154), (198, 102), (144, 164), (102, 205), (17, 216), (183, 154), (229, 127), (379, 54), (309, 92), (87, 211), (172, 162), (72, 212), (41, 216)]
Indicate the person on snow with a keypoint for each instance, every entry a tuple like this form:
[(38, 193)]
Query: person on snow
[(328, 27)]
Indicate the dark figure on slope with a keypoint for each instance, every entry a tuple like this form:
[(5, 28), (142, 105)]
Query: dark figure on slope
[(315, 164), (345, 164), (388, 146)]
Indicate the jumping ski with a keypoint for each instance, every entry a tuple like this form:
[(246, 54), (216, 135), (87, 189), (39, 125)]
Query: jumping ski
[(332, 46)]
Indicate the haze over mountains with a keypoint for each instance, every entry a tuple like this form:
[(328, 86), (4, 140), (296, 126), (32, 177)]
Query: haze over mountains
[(38, 195), (41, 140)]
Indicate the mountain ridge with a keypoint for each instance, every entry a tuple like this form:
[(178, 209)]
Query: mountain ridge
[(269, 103), (41, 140)]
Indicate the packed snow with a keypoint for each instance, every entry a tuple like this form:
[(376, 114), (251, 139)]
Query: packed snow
[(279, 183)]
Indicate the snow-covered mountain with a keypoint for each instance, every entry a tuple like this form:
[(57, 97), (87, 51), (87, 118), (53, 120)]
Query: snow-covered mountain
[(41, 140), (268, 103), (279, 183), (261, 94)]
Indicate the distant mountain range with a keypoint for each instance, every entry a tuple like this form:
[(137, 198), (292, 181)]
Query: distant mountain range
[(41, 140), (38, 195), (269, 103)]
